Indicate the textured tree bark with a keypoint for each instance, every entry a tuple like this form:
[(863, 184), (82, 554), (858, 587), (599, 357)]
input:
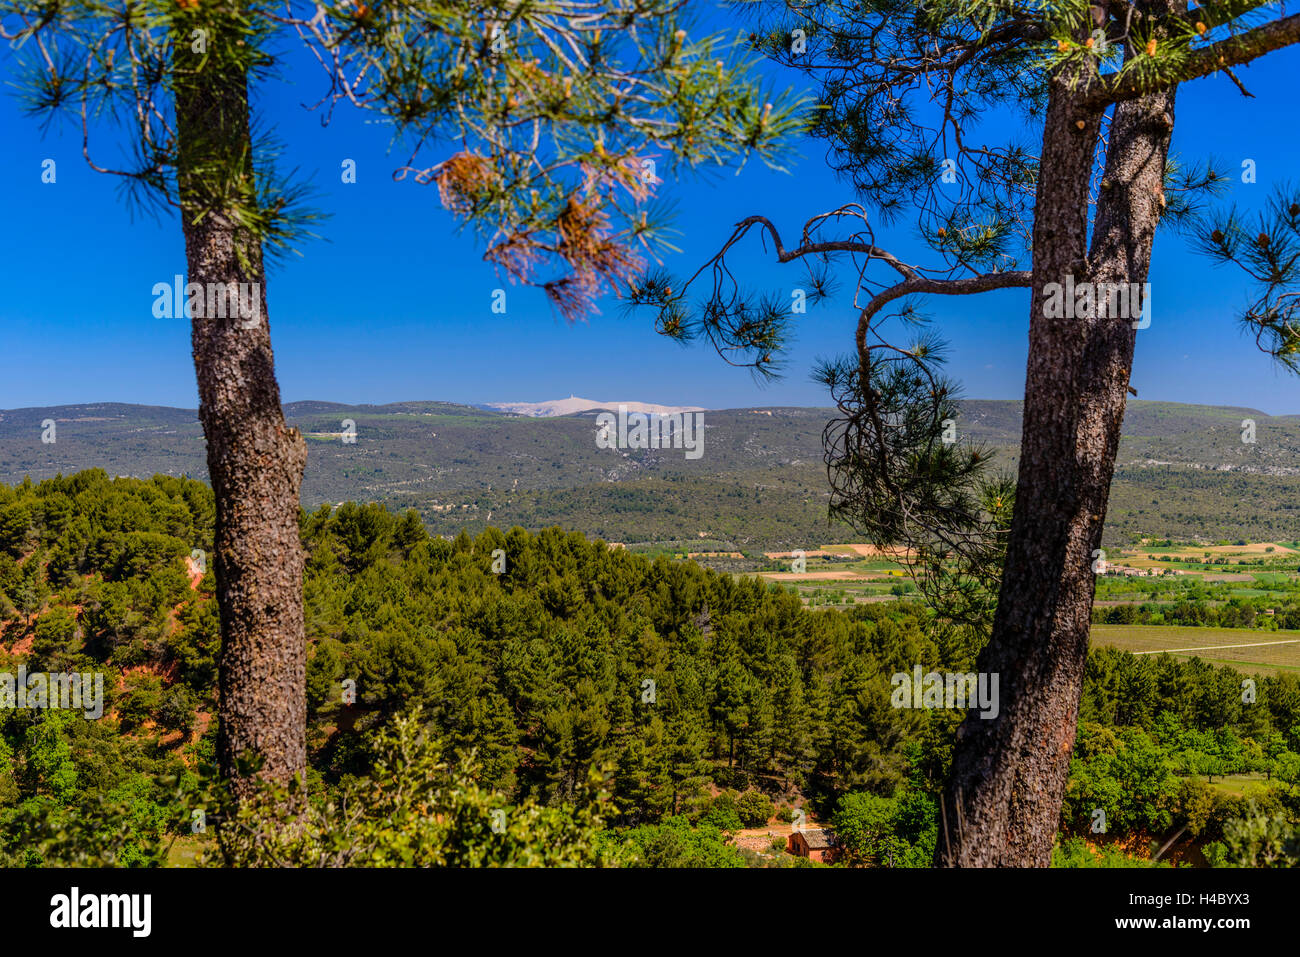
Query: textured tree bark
[(1002, 806), (255, 462)]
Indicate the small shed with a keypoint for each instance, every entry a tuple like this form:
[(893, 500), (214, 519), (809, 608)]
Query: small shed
[(816, 844)]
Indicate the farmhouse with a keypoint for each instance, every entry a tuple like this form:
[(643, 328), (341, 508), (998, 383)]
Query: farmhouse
[(1130, 572), (817, 844)]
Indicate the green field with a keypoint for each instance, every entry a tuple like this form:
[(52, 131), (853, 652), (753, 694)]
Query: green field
[(1240, 784), (1248, 650)]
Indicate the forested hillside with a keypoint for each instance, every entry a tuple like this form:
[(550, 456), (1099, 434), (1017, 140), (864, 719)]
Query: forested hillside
[(708, 702), (1183, 471)]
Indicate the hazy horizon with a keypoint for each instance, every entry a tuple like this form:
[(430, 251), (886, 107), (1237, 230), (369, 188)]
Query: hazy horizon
[(639, 398)]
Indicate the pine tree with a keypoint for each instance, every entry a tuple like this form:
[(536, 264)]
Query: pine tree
[(560, 112), (903, 88)]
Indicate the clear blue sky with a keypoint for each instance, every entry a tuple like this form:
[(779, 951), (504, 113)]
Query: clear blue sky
[(396, 304)]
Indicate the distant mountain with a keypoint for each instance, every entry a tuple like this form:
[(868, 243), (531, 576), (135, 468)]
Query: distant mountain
[(1183, 471), (573, 405)]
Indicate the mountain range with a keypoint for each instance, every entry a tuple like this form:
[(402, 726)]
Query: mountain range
[(573, 405), (1184, 471)]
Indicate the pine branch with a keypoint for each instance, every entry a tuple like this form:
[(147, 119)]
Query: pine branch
[(1226, 53), (921, 285), (784, 255)]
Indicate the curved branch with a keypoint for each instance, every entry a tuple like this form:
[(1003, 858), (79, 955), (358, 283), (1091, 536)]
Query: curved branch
[(784, 255), (939, 287)]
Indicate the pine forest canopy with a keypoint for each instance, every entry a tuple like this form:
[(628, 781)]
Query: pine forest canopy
[(541, 672)]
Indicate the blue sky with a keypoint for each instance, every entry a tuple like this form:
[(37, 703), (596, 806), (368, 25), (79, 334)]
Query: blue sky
[(395, 305)]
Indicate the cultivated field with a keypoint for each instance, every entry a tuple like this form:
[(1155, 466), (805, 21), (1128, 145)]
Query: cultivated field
[(1245, 649), (837, 576)]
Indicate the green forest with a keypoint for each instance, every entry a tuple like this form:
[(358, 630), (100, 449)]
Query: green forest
[(562, 701)]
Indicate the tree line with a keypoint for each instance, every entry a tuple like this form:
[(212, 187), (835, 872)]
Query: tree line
[(702, 702)]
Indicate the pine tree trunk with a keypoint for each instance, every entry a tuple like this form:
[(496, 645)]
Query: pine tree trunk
[(1002, 806), (255, 462)]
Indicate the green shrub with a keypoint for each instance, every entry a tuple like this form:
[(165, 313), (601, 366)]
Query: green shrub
[(754, 808)]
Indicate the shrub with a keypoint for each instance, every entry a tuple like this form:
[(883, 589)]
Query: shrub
[(722, 814), (754, 808)]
